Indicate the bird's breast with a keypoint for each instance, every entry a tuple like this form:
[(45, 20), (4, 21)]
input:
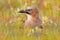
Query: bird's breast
[(32, 22)]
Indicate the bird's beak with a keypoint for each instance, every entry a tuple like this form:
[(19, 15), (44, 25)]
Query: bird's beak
[(21, 11)]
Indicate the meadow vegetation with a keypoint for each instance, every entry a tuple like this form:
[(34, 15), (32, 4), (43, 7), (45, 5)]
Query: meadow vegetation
[(12, 23)]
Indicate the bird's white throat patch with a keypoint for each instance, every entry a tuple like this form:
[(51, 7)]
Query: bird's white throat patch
[(29, 17)]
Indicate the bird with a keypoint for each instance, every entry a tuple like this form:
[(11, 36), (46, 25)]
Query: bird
[(33, 19)]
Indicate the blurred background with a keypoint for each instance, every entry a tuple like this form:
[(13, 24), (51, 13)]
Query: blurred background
[(12, 23)]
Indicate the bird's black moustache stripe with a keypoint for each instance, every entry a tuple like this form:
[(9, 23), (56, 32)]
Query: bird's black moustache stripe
[(27, 12)]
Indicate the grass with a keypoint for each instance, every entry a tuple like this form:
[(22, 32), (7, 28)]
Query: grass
[(11, 25)]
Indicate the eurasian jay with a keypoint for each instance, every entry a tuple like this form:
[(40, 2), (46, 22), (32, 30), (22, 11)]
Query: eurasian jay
[(32, 18)]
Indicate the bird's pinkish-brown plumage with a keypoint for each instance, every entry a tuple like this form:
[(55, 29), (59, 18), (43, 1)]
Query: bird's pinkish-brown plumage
[(32, 18)]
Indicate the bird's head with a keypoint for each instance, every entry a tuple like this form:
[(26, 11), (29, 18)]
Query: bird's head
[(30, 10)]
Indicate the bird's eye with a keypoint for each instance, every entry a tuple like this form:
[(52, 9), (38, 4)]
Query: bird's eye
[(29, 10)]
